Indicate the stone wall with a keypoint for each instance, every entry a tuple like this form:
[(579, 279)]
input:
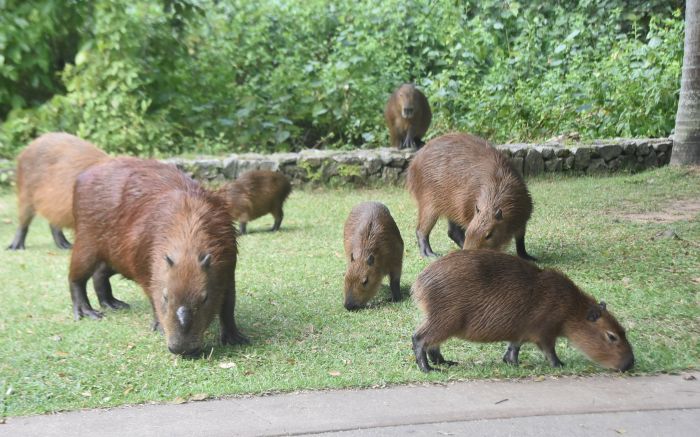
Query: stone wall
[(388, 166)]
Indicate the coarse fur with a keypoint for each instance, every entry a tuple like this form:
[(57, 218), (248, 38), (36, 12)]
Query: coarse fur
[(373, 249), (46, 172), (151, 223), (463, 178), (256, 193), (408, 116), (487, 296)]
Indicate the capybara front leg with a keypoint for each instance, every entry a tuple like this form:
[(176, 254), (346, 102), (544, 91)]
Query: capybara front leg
[(419, 350), (81, 304), (59, 238), (436, 357), (279, 215), (424, 245), (548, 349), (520, 248), (18, 241), (456, 233), (103, 289), (242, 227), (229, 331), (395, 286), (512, 353)]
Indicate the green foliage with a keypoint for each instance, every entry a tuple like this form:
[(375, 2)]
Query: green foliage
[(208, 76)]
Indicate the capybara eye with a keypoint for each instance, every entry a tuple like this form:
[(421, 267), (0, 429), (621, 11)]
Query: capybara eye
[(364, 283), (612, 337), (206, 297), (488, 236)]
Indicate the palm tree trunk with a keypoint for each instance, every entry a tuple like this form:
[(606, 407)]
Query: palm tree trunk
[(686, 140)]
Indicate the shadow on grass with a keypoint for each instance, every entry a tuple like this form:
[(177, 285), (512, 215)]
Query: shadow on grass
[(266, 230)]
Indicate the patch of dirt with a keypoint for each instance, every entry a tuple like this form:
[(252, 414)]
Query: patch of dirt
[(686, 209)]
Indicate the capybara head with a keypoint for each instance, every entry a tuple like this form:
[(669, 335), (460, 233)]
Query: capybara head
[(488, 228), (362, 280), (406, 98), (187, 304), (602, 339)]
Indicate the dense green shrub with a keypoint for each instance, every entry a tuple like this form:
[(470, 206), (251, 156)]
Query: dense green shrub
[(210, 76)]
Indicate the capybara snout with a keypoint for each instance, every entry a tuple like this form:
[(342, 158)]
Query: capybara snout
[(362, 280), (487, 229)]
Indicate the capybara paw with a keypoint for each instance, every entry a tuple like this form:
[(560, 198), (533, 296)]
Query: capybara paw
[(115, 304), (448, 363), (15, 247), (509, 360), (89, 312), (65, 245), (527, 257), (558, 364), (234, 337)]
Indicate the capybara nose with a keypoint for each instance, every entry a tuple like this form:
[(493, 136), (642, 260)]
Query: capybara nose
[(351, 306), (180, 350), (407, 112), (628, 365)]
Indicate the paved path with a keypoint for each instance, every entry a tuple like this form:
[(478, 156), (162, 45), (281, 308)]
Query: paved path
[(667, 405)]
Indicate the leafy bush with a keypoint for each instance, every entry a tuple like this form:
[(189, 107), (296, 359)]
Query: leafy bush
[(206, 76)]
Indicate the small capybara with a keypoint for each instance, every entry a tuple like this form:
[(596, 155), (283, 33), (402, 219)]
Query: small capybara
[(256, 193), (462, 177), (487, 296), (407, 116), (373, 249), (46, 172), (151, 223)]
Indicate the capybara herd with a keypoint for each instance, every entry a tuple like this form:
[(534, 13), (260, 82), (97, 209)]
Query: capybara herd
[(177, 239)]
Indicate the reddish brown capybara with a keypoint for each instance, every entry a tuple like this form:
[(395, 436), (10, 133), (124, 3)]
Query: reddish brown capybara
[(462, 177), (151, 223), (373, 249), (46, 172), (487, 296), (256, 193), (407, 116)]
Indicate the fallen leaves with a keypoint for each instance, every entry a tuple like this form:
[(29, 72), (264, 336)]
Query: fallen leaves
[(228, 365), (334, 373)]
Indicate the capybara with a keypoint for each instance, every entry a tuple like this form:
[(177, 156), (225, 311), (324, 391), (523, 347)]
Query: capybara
[(373, 249), (151, 223), (256, 193), (46, 172), (462, 177), (487, 296), (407, 116)]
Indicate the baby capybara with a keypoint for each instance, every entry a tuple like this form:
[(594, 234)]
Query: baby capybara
[(373, 249), (407, 116), (151, 223), (46, 172), (256, 193), (462, 177), (487, 296)]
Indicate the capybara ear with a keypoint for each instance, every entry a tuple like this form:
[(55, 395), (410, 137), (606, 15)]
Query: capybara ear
[(205, 260), (593, 313), (352, 257), (370, 260), (602, 305), (499, 214), (169, 261), (477, 209)]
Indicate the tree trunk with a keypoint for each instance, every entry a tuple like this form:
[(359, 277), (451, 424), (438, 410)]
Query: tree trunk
[(686, 140)]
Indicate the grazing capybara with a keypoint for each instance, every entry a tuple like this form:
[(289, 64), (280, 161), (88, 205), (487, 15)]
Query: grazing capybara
[(151, 223), (46, 172), (373, 249), (407, 116), (462, 177), (256, 193), (487, 296)]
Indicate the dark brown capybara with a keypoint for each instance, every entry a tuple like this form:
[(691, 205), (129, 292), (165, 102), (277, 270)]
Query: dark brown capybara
[(151, 223), (407, 116), (256, 193), (373, 249), (487, 296), (46, 172), (462, 177)]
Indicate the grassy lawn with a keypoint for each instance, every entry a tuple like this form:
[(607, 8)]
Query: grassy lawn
[(290, 303)]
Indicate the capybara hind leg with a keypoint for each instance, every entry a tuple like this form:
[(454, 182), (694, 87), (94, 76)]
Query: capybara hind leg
[(242, 227), (103, 289), (82, 266), (426, 222), (20, 236), (26, 214), (279, 215), (59, 238), (520, 248), (547, 347), (456, 233), (395, 286), (419, 350), (511, 355), (436, 357), (229, 331)]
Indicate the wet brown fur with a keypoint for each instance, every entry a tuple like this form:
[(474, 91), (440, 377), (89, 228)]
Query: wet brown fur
[(130, 215), (487, 296), (407, 132), (373, 249), (256, 193), (457, 173), (46, 172)]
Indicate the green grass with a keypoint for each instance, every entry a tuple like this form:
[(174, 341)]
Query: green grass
[(290, 303)]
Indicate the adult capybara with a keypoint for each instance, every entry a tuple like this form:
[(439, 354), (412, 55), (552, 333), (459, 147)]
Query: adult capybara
[(407, 116), (462, 177), (256, 193), (151, 223), (46, 172), (487, 296), (373, 249)]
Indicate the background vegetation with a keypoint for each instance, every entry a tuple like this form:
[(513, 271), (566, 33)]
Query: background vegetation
[(170, 76), (290, 302)]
